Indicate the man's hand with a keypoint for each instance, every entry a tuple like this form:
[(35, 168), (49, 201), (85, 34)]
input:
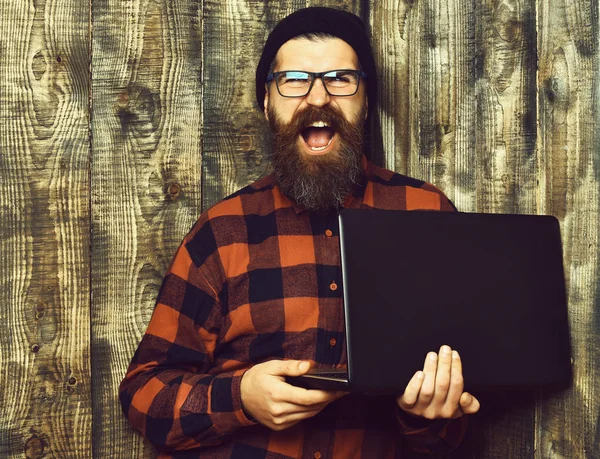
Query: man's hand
[(278, 405), (437, 391)]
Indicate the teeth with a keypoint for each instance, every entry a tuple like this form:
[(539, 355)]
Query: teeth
[(319, 124)]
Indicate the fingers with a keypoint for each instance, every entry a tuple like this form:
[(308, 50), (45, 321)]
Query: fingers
[(283, 414), (456, 381), (411, 393), (297, 395), (271, 401), (456, 362), (308, 398), (428, 386), (437, 391), (291, 418), (287, 367), (442, 375), (284, 392)]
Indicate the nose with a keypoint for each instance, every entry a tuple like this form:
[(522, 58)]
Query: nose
[(318, 95)]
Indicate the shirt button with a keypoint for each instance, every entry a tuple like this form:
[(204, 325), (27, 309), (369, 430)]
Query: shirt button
[(317, 455), (328, 233), (333, 286), (332, 342)]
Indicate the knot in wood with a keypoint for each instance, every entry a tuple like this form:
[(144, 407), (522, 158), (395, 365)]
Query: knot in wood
[(39, 311), (123, 99), (34, 448), (552, 88), (174, 190), (38, 65)]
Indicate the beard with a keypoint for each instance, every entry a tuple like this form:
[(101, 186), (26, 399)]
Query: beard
[(319, 183)]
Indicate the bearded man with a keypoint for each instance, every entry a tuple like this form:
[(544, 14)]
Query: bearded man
[(252, 294)]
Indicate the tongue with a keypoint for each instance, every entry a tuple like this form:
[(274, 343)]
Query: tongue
[(317, 137)]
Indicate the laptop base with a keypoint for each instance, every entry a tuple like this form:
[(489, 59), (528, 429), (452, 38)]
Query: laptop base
[(322, 380)]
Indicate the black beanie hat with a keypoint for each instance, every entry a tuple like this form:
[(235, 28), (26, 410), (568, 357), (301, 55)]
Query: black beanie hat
[(338, 23)]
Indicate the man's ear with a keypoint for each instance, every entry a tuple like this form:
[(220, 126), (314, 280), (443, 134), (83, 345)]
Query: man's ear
[(266, 102), (366, 107)]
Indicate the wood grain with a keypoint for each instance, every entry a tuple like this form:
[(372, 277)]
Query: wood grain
[(104, 168), (457, 110), (568, 424), (506, 108), (146, 131), (44, 260), (391, 27), (426, 57)]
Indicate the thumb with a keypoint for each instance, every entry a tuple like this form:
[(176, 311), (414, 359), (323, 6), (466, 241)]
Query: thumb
[(469, 404), (290, 367)]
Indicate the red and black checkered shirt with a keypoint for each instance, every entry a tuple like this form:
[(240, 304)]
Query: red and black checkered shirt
[(256, 279)]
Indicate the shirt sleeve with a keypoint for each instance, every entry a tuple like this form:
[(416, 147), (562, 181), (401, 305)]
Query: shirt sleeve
[(438, 436), (169, 394), (446, 205)]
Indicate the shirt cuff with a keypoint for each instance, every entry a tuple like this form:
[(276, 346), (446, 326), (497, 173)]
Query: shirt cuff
[(226, 403), (411, 423), (432, 436)]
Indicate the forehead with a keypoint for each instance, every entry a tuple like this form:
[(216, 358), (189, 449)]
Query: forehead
[(316, 55)]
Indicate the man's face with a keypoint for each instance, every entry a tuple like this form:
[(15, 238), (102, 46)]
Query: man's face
[(317, 139), (316, 56)]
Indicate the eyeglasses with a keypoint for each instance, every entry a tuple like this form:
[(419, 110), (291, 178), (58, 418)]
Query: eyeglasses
[(298, 83)]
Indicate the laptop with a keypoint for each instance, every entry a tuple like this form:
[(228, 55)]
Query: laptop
[(491, 286)]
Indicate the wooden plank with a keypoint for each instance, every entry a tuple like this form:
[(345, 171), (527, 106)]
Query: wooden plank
[(442, 75), (391, 23), (146, 133), (506, 108), (568, 425), (44, 194), (428, 71), (456, 109), (458, 96), (502, 170), (235, 142)]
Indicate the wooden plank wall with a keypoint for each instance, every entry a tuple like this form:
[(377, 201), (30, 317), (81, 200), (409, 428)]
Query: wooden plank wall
[(146, 182), (121, 120), (45, 366), (499, 135)]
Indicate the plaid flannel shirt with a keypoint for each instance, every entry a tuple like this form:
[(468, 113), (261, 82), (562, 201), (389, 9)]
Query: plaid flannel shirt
[(257, 279)]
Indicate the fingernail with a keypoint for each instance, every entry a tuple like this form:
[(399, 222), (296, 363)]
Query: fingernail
[(446, 350), (468, 400), (454, 355), (304, 366), (432, 356), (420, 375)]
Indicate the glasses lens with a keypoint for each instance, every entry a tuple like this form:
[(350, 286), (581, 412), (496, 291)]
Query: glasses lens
[(341, 82), (337, 82), (293, 84)]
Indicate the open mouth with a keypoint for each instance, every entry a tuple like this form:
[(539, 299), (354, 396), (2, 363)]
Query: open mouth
[(318, 136)]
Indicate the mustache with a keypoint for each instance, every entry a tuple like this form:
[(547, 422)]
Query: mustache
[(287, 133), (330, 115)]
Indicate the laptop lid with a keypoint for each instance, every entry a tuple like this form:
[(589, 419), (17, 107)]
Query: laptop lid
[(490, 286)]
